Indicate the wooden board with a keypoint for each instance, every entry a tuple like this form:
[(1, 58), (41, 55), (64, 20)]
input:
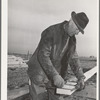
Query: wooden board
[(69, 87)]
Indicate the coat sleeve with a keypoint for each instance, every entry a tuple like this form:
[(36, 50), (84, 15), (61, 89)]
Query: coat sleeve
[(44, 52), (75, 66)]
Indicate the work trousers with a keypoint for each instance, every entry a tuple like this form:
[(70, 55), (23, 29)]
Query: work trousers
[(43, 92)]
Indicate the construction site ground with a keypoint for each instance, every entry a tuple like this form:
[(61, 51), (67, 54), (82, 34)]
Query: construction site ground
[(18, 84), (89, 93)]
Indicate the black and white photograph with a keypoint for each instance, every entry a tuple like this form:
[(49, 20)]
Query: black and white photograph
[(51, 50)]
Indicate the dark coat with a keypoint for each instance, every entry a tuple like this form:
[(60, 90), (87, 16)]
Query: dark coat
[(48, 60)]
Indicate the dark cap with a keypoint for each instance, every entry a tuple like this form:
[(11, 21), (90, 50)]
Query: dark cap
[(81, 20)]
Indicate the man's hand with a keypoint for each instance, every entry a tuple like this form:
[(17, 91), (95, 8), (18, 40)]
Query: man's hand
[(58, 81), (80, 84)]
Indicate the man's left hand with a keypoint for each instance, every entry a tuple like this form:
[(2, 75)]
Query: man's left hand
[(80, 84)]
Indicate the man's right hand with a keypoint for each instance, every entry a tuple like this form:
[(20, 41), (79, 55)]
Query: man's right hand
[(58, 81), (80, 84)]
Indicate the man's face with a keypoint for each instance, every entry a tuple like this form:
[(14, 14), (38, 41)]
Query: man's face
[(72, 28)]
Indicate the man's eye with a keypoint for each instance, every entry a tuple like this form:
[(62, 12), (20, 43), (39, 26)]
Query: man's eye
[(77, 29)]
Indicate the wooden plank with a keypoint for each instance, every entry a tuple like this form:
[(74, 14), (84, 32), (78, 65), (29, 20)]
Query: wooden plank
[(23, 97), (90, 73), (12, 94), (69, 87)]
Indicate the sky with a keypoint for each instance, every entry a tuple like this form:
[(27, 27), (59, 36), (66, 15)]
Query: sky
[(28, 18)]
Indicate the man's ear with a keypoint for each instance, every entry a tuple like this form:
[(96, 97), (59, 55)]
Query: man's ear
[(71, 21)]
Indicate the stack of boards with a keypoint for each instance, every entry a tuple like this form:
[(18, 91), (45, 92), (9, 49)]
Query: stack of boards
[(69, 87)]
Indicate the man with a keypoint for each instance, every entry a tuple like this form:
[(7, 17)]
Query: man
[(56, 50)]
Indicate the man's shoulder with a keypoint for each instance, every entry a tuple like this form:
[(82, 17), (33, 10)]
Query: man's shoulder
[(54, 28), (57, 25)]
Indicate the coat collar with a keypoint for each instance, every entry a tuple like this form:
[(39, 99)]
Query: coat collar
[(65, 28)]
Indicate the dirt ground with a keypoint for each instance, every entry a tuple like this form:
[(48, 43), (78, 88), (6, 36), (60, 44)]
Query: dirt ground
[(89, 93), (18, 79)]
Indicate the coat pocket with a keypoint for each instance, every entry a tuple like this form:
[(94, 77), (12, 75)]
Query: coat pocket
[(39, 78)]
